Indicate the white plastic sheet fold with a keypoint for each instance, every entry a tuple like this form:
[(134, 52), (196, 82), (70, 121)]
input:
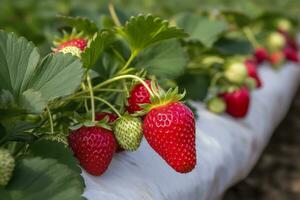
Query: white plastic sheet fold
[(227, 150)]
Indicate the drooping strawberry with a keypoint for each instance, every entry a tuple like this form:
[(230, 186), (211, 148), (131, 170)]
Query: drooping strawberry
[(237, 102), (7, 165), (138, 95), (235, 71), (284, 25), (276, 58), (128, 132), (260, 55), (291, 54), (74, 43), (252, 71), (216, 105), (94, 147), (275, 41), (169, 128)]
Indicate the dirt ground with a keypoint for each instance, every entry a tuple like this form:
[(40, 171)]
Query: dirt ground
[(277, 174)]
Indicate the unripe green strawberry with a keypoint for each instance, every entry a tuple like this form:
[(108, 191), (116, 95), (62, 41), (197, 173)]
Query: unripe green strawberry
[(216, 105), (7, 165), (236, 72), (128, 132), (275, 41), (284, 25)]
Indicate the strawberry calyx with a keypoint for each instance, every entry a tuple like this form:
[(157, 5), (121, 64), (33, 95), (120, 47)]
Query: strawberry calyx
[(74, 42), (160, 97), (103, 122)]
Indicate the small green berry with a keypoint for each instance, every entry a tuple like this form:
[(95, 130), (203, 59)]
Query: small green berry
[(128, 132), (7, 165), (216, 105)]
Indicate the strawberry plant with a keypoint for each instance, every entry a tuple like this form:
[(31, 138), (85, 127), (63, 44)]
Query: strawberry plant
[(75, 99), (104, 84)]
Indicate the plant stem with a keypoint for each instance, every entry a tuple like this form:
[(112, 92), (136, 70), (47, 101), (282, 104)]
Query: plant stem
[(129, 76), (50, 120), (103, 101), (88, 78), (85, 101), (113, 14), (249, 34), (131, 58), (110, 90)]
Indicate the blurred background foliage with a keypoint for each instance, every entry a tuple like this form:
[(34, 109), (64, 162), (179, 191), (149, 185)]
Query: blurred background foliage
[(37, 21)]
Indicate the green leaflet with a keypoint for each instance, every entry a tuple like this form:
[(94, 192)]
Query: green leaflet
[(201, 28), (27, 82), (37, 178), (166, 59), (144, 30)]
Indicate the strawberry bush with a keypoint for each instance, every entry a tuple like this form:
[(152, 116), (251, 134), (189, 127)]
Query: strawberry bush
[(103, 85)]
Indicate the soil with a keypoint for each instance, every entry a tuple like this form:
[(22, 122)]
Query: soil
[(277, 174)]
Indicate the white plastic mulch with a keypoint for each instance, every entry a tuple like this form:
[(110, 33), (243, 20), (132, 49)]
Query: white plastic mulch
[(227, 150)]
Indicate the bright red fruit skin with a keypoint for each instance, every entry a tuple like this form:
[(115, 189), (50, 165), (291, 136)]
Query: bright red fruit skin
[(138, 95), (260, 55), (237, 102), (291, 54), (170, 131), (111, 116), (251, 66), (78, 42), (94, 147)]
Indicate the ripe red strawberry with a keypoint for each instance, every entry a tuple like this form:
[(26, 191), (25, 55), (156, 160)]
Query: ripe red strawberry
[(111, 116), (138, 95), (276, 58), (76, 42), (252, 71), (170, 131), (237, 102), (260, 55), (94, 147), (291, 54)]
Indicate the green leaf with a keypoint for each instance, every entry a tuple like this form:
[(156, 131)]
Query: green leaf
[(32, 101), (201, 28), (144, 30), (37, 178), (233, 46), (55, 150), (236, 17), (31, 81), (80, 24), (96, 47), (57, 75), (18, 60), (165, 60), (196, 85)]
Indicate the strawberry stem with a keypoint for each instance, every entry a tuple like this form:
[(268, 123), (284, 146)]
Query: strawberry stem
[(88, 78), (113, 14), (250, 36), (129, 76), (50, 119), (131, 58), (85, 101), (103, 101)]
